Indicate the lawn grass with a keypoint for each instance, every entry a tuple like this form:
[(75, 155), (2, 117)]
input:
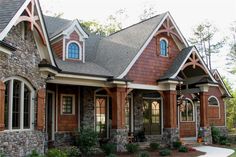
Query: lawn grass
[(234, 154)]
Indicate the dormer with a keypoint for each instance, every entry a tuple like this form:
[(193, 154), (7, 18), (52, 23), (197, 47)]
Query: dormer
[(67, 39)]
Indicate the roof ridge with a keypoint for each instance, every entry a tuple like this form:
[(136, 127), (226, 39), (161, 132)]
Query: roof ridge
[(136, 24), (57, 17)]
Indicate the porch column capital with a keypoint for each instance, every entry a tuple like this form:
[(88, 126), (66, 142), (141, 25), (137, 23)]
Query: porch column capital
[(203, 87), (169, 85)]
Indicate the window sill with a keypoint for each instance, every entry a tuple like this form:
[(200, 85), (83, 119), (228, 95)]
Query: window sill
[(17, 130)]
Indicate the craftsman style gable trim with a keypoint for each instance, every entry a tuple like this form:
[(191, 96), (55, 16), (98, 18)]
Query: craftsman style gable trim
[(167, 16)]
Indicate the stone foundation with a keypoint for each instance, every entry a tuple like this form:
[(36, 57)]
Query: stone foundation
[(170, 135), (64, 139), (223, 130), (19, 144), (119, 137)]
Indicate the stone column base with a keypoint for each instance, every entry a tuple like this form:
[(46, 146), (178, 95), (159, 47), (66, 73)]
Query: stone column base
[(170, 135), (207, 138), (120, 138)]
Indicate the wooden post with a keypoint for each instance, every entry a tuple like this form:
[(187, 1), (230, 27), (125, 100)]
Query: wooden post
[(2, 105), (170, 109), (41, 109), (203, 109)]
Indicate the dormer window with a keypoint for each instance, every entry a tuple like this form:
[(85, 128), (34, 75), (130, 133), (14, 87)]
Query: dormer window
[(163, 47), (73, 51)]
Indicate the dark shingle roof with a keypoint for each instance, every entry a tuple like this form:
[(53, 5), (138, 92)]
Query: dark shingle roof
[(8, 8), (87, 68), (56, 25), (177, 63), (116, 51)]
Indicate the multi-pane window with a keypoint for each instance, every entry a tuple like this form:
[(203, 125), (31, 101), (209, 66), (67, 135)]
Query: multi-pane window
[(67, 104), (18, 105), (187, 110), (101, 104), (163, 47), (128, 113), (73, 51), (213, 101)]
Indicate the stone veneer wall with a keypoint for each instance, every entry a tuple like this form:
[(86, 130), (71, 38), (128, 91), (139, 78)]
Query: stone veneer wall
[(21, 143), (23, 63), (138, 110)]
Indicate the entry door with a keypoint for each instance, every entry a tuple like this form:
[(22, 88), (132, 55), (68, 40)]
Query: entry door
[(152, 116), (102, 114), (50, 115)]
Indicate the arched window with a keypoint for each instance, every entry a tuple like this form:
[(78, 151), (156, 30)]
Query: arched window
[(213, 101), (18, 104), (163, 47), (187, 111), (73, 51)]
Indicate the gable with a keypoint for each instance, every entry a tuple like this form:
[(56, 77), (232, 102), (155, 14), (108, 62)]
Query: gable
[(30, 12)]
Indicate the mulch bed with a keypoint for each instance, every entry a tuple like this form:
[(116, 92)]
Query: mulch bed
[(174, 153)]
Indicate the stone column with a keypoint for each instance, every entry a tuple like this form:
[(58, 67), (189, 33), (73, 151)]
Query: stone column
[(41, 109), (118, 132), (204, 124), (170, 131), (2, 105)]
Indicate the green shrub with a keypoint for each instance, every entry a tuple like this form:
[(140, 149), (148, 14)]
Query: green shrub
[(165, 152), (215, 133), (87, 139), (108, 148), (72, 151), (177, 144), (132, 148), (144, 154), (154, 146), (56, 153), (111, 155), (183, 149), (34, 153), (223, 140), (2, 154)]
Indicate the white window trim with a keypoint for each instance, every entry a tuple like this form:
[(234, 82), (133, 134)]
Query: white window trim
[(167, 47), (193, 113), (80, 50), (32, 93), (218, 103), (73, 104)]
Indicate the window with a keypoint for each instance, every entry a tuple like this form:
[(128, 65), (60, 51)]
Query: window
[(186, 110), (128, 114), (73, 51), (18, 104), (68, 104), (213, 101), (101, 116), (163, 47)]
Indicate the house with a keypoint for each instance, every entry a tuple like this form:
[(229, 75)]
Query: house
[(56, 78)]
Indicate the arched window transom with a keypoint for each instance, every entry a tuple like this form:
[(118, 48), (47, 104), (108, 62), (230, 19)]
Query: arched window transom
[(213, 101), (187, 111), (18, 113), (163, 47), (73, 51)]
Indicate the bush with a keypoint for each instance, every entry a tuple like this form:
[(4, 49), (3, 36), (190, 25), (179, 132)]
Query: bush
[(215, 133), (223, 140), (1, 154), (183, 149), (72, 151), (87, 140), (177, 144), (165, 152), (144, 154), (34, 153), (108, 148), (56, 153), (111, 155), (132, 148), (154, 146)]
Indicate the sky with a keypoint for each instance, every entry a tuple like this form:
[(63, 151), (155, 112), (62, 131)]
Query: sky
[(186, 13)]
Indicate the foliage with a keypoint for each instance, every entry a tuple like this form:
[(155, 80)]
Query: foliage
[(215, 133), (108, 148), (72, 151), (223, 140), (165, 152), (200, 133), (177, 144), (183, 149), (56, 153), (111, 155), (132, 148), (148, 12), (232, 54), (87, 139), (154, 146), (204, 39), (143, 154), (1, 154), (34, 153)]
